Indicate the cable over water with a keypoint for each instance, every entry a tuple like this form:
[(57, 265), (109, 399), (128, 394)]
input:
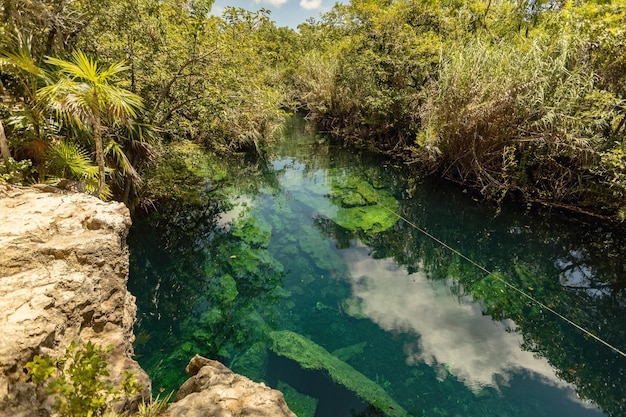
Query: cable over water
[(508, 284)]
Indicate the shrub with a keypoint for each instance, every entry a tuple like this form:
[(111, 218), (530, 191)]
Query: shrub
[(79, 381)]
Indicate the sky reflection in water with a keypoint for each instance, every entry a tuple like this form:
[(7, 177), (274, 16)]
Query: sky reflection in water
[(452, 334)]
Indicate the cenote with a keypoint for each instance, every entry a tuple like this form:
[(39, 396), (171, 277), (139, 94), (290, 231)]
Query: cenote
[(297, 271)]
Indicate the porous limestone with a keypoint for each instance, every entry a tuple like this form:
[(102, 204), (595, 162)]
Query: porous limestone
[(215, 390), (63, 274)]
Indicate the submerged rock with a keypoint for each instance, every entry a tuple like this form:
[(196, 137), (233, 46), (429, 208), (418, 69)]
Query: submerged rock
[(348, 352), (63, 271), (215, 390), (310, 355), (360, 205)]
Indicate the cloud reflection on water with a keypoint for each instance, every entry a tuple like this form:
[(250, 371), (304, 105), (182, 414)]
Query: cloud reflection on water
[(453, 334)]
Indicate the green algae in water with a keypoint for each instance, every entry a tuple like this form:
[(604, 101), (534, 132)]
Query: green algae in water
[(361, 206), (252, 363), (312, 356), (229, 292), (350, 201), (253, 231), (348, 352), (353, 199), (353, 307), (301, 404)]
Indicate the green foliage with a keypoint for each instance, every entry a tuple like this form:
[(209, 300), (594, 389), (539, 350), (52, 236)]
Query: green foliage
[(492, 106), (301, 404), (155, 407), (203, 78), (213, 80), (508, 98), (86, 95), (41, 369), (16, 172), (612, 168), (78, 380), (368, 84), (69, 160)]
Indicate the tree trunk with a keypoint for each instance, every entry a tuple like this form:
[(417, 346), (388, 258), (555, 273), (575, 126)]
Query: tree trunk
[(97, 135), (4, 146)]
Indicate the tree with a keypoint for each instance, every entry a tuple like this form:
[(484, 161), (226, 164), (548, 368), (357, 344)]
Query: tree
[(4, 146), (85, 94)]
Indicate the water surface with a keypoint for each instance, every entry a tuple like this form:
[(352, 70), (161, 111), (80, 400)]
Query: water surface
[(311, 241)]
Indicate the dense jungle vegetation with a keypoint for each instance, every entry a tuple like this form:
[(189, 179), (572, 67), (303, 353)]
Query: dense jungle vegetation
[(521, 100)]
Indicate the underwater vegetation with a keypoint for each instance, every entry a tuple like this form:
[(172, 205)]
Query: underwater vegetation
[(252, 362), (310, 355), (301, 404), (238, 278), (347, 353), (361, 206), (348, 198)]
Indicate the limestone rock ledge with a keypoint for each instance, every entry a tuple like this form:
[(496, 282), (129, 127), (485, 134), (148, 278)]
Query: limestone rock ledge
[(63, 274), (215, 390)]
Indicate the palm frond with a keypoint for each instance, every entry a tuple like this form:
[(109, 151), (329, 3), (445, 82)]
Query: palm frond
[(71, 161), (80, 67), (116, 152), (68, 100), (91, 185), (121, 103), (86, 96), (112, 70), (21, 60)]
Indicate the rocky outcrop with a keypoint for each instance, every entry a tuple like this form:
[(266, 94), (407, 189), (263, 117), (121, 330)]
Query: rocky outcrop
[(215, 390), (63, 274)]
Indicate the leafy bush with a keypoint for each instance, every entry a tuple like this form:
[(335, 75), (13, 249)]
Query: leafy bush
[(78, 380), (15, 172)]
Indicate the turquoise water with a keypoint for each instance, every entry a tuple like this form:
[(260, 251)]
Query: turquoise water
[(310, 241)]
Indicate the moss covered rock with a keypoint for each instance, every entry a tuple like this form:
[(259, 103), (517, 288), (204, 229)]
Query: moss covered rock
[(360, 205), (353, 199), (252, 363), (301, 404), (348, 352), (310, 355)]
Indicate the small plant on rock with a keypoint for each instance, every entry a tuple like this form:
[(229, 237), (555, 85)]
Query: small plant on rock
[(154, 407), (79, 380)]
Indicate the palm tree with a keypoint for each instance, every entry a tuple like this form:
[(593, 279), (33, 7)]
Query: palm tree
[(86, 94), (21, 78)]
